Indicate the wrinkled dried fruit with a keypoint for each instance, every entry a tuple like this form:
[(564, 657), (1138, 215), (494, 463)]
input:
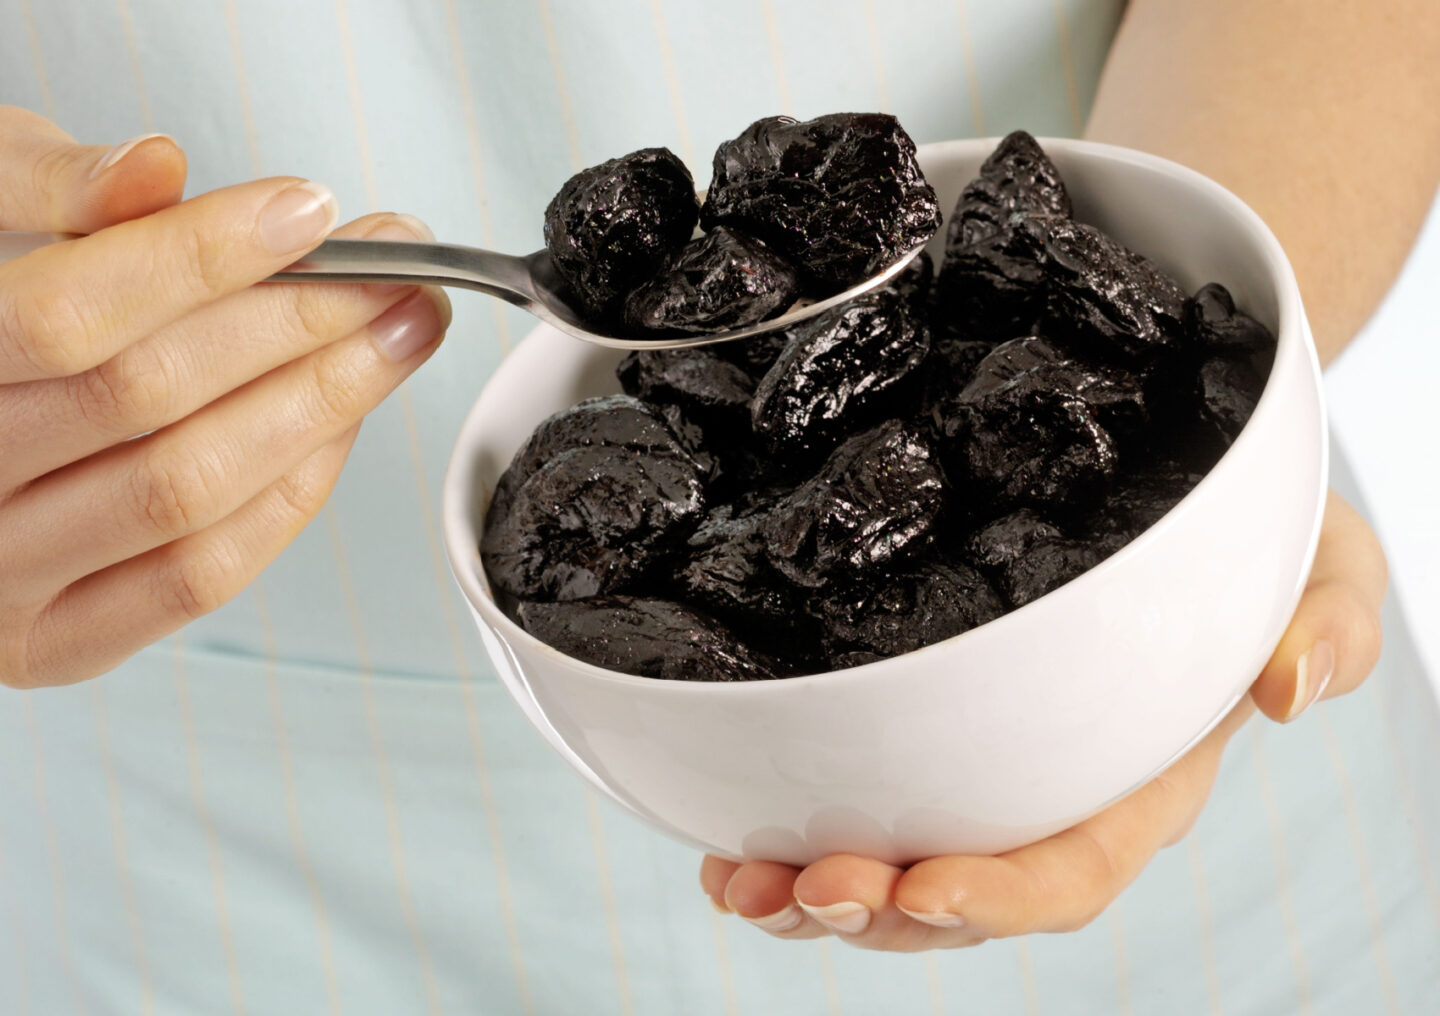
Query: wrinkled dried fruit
[(1017, 177), (875, 498), (1215, 326), (997, 543), (729, 572), (840, 196), (1046, 566), (613, 226), (995, 288), (839, 372), (580, 519), (1138, 499), (1227, 390), (647, 638), (722, 281), (1035, 426), (698, 380), (906, 609)]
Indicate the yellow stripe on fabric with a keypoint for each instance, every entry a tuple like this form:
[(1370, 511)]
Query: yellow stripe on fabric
[(832, 987), (1067, 61), (1282, 871), (122, 854), (212, 841), (727, 976), (972, 76), (37, 54), (1362, 860), (672, 82), (932, 977), (562, 89), (472, 135), (382, 765), (52, 852), (247, 112), (1207, 923), (18, 932), (1407, 800), (1123, 992), (877, 59), (292, 800), (1027, 977), (607, 898), (777, 57), (132, 48)]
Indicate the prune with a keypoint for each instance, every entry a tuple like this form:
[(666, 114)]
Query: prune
[(875, 498), (612, 226), (996, 544), (722, 281), (1047, 565), (1227, 390), (838, 371), (1215, 326), (698, 380), (995, 288), (907, 609), (1117, 301), (1017, 177), (1138, 499), (840, 196), (1034, 426), (647, 638), (729, 572), (590, 517)]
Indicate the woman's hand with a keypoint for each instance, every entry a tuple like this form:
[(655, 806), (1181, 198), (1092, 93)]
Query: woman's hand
[(167, 426), (1064, 882)]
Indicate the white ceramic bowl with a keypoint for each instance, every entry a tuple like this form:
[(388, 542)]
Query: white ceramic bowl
[(1011, 731)]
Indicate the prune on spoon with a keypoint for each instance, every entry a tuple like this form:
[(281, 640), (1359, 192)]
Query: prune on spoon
[(721, 281), (904, 610), (839, 372), (647, 638), (1034, 426), (613, 226), (840, 196), (875, 498), (589, 517)]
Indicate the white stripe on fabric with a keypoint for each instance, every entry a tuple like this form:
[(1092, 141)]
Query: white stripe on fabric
[(122, 855), (1407, 801), (1283, 882), (52, 852), (37, 53), (557, 67), (1027, 977), (727, 976), (932, 976), (18, 933), (1067, 60), (672, 82), (132, 49), (212, 841), (972, 75), (782, 81), (292, 801), (1362, 860), (607, 895), (1123, 991), (877, 58), (832, 989), (1207, 923), (382, 767), (247, 111)]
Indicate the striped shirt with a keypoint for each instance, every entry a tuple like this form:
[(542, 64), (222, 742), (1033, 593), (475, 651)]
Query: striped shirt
[(319, 799)]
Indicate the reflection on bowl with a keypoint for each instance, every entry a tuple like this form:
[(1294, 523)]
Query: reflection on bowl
[(1011, 731)]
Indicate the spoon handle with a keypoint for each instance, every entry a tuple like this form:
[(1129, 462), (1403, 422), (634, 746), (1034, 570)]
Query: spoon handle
[(440, 264)]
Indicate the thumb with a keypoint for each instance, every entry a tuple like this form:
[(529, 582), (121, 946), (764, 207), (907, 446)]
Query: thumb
[(50, 184)]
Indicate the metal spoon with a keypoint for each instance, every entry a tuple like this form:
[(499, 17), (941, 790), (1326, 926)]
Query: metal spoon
[(528, 282)]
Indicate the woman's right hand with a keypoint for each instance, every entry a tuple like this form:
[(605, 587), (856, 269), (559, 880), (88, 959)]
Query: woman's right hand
[(167, 426)]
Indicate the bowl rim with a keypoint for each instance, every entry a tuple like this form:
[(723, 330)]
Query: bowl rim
[(462, 541)]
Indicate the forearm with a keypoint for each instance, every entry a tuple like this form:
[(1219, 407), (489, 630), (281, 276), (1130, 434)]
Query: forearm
[(1324, 117)]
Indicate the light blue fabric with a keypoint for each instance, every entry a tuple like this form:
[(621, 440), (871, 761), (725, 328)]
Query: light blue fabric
[(319, 800)]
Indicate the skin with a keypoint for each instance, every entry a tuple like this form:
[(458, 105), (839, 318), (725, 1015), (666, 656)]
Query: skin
[(188, 470), (1323, 119)]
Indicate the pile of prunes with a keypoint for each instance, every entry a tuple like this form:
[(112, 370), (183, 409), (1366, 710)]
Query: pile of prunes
[(886, 475), (795, 209)]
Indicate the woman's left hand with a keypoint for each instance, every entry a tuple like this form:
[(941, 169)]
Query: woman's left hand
[(1064, 882)]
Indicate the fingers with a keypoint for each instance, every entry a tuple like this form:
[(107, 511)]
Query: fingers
[(126, 607), (1334, 638), (183, 478), (70, 306), (1064, 882), (189, 364), (48, 183)]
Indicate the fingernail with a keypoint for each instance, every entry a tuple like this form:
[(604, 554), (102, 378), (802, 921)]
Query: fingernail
[(402, 227), (720, 908), (406, 328), (937, 918), (297, 217), (121, 150), (1312, 675), (850, 918), (782, 920)]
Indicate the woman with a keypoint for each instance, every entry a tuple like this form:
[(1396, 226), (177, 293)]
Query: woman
[(316, 796)]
